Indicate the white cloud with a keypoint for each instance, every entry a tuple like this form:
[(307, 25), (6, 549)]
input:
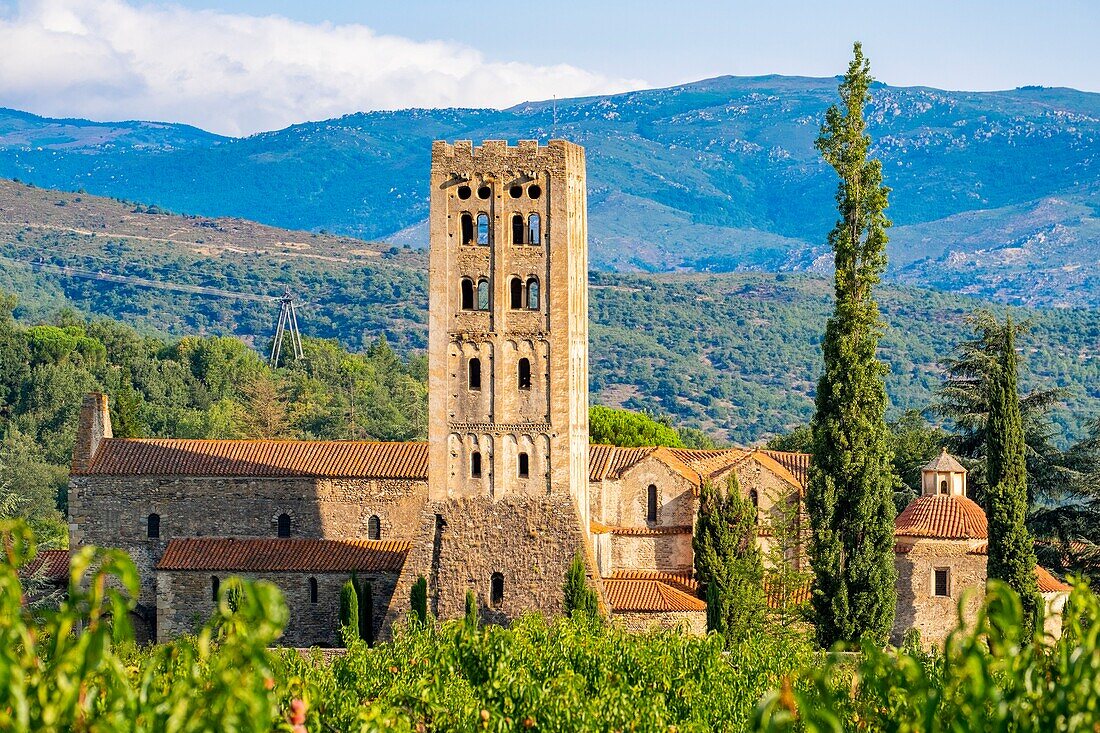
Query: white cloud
[(238, 74)]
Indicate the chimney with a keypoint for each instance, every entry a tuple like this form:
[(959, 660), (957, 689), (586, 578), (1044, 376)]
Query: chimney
[(93, 427)]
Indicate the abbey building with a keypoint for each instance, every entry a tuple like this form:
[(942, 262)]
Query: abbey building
[(499, 499)]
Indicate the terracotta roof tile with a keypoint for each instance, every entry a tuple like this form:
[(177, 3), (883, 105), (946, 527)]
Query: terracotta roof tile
[(319, 458), (284, 555), (797, 463), (946, 517), (53, 564), (1048, 583), (649, 595), (683, 581), (944, 462)]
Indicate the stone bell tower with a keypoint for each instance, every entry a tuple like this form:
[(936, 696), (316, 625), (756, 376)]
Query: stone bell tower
[(508, 334), (507, 376)]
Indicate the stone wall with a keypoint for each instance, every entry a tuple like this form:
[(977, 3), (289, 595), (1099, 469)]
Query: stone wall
[(690, 622), (113, 511), (918, 607), (624, 500), (669, 553), (529, 541), (186, 602)]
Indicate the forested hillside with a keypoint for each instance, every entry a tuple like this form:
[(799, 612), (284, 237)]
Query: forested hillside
[(995, 193), (734, 354)]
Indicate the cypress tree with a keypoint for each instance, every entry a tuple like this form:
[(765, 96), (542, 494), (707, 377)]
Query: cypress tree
[(349, 611), (728, 562), (419, 600), (579, 597), (1011, 551), (852, 481), (471, 610)]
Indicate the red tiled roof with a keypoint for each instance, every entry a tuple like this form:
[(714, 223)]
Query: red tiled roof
[(946, 517), (320, 458), (797, 463), (1048, 583), (284, 555), (648, 595), (682, 581), (53, 564)]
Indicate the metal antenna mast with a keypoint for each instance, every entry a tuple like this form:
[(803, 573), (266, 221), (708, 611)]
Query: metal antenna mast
[(288, 321)]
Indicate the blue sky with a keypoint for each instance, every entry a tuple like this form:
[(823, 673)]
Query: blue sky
[(239, 66), (959, 44)]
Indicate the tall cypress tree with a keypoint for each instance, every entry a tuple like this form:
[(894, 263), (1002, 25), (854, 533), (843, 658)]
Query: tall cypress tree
[(852, 480), (1011, 551)]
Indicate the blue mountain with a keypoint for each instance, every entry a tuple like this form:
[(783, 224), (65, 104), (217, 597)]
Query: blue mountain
[(994, 193)]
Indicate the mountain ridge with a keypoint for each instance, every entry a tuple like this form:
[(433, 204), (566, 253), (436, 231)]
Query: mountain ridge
[(715, 175)]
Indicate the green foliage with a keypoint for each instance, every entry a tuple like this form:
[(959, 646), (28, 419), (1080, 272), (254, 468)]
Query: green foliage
[(851, 485), (580, 599), (471, 609), (728, 562), (991, 678), (349, 611), (56, 680), (610, 426), (418, 601), (1011, 552)]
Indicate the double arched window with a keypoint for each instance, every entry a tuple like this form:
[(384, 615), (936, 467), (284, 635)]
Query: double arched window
[(524, 295), (529, 232), (475, 298)]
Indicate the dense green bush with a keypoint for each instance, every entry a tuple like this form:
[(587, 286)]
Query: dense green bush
[(568, 675)]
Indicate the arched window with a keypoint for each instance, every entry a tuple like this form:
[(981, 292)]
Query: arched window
[(517, 229), (525, 373), (467, 294), (651, 504), (313, 590), (473, 374), (214, 587), (284, 525), (524, 465), (374, 528), (467, 229), (515, 287), (152, 526), (496, 589), (534, 229), (475, 465), (483, 295), (483, 229), (755, 499), (533, 293), (943, 487)]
